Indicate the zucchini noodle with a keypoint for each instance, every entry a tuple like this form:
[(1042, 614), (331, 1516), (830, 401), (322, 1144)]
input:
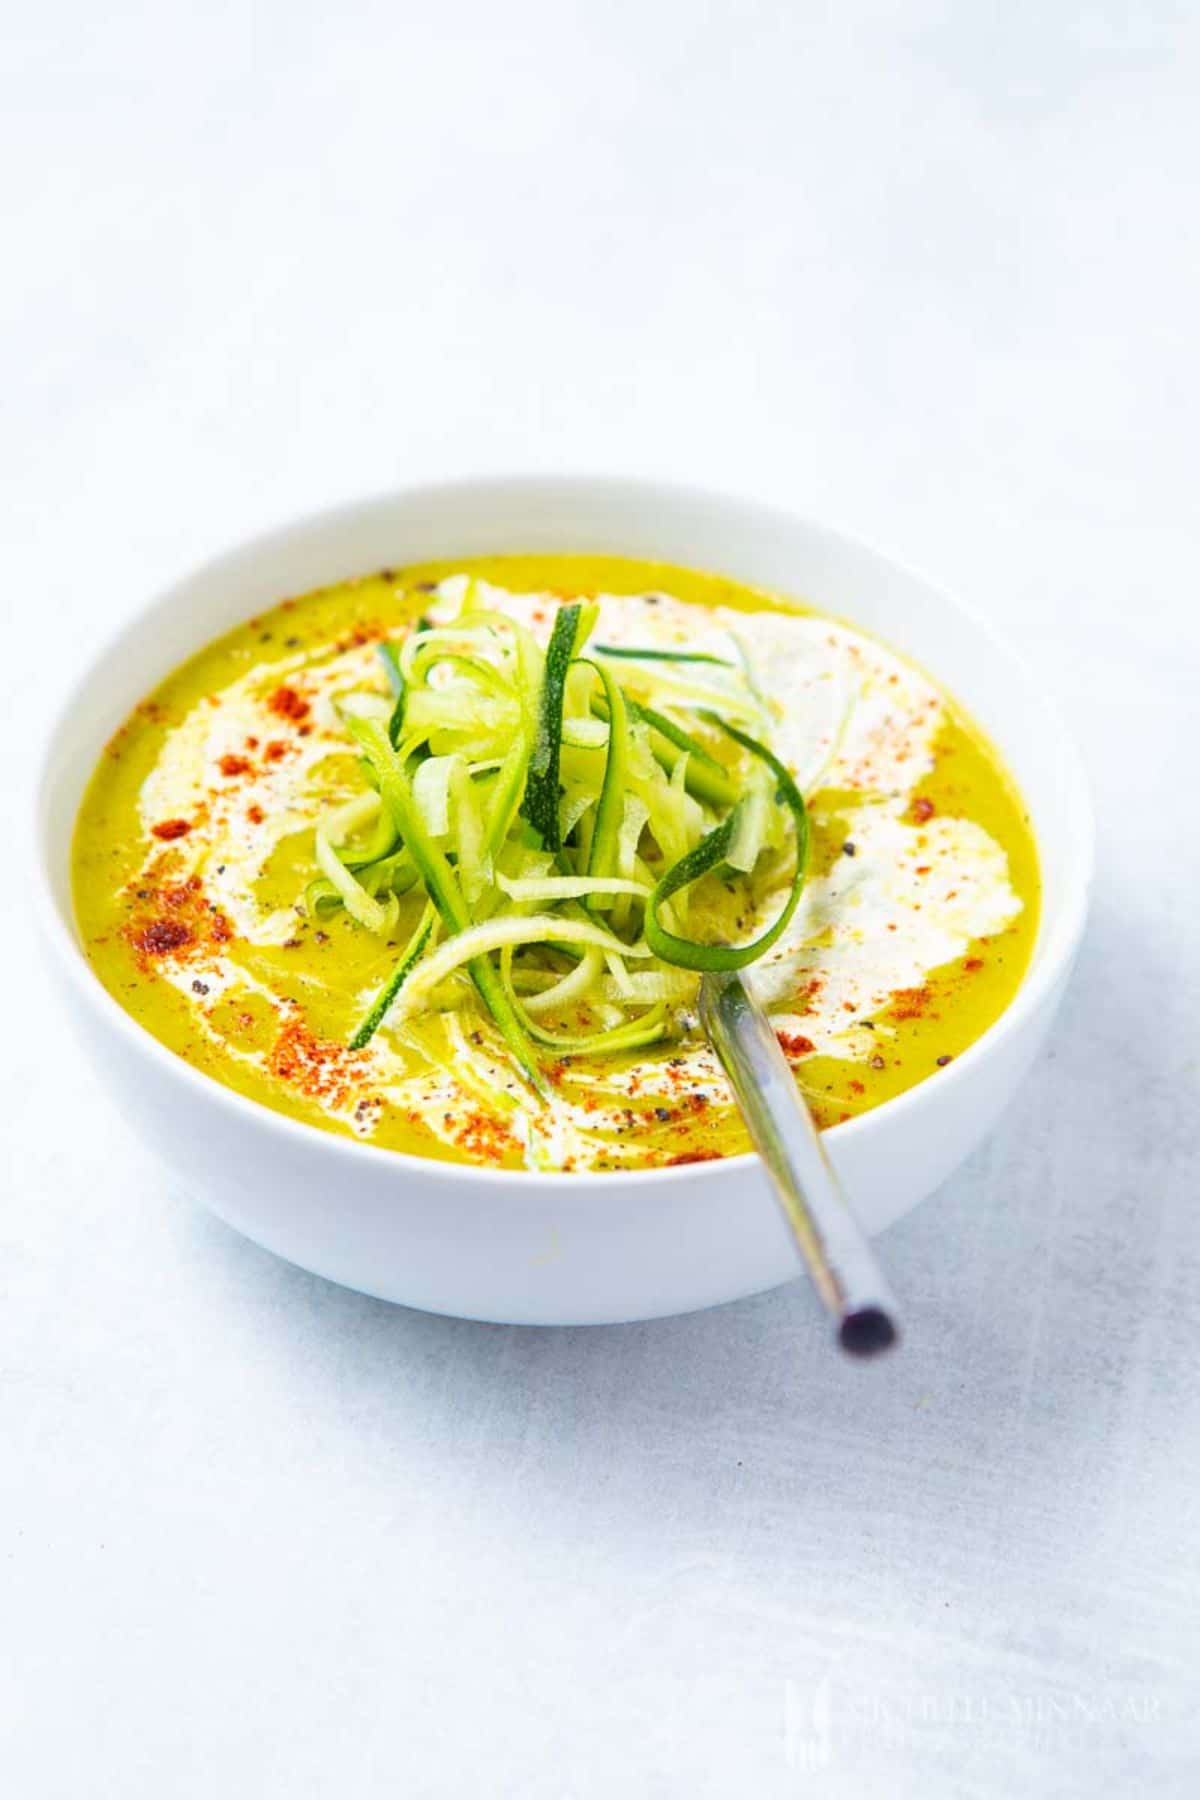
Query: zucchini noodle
[(579, 833)]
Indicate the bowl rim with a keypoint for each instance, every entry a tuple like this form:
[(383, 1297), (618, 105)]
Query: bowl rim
[(62, 939)]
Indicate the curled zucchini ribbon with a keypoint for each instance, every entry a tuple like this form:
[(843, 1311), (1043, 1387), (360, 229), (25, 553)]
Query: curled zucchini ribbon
[(709, 856), (549, 814)]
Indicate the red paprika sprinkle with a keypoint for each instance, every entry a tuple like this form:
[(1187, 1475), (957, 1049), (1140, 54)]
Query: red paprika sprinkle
[(162, 936), (288, 704)]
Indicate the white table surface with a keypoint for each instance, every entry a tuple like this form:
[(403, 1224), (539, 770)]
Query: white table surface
[(923, 273)]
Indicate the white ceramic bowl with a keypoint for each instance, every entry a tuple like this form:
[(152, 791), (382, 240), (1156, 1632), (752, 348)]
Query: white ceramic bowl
[(559, 1249)]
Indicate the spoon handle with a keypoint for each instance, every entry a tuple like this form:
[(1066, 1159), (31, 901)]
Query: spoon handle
[(839, 1257)]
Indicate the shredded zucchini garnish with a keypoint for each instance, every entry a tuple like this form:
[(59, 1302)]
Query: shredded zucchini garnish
[(550, 817)]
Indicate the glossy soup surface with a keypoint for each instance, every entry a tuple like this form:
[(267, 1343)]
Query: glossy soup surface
[(195, 843)]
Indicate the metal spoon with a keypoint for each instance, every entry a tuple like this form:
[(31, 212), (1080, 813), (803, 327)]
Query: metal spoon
[(839, 1257)]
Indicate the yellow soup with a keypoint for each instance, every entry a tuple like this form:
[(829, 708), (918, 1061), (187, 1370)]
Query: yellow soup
[(195, 849)]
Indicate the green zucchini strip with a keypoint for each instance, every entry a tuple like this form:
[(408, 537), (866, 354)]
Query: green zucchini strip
[(569, 887), (395, 873), (476, 943), (477, 668), (364, 909), (321, 898), (709, 854), (509, 791), (566, 990), (604, 850), (390, 658), (707, 780), (640, 653), (374, 915), (540, 805), (412, 954), (382, 843), (632, 1034), (441, 885)]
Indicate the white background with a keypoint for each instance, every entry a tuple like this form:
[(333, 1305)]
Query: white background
[(929, 272)]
